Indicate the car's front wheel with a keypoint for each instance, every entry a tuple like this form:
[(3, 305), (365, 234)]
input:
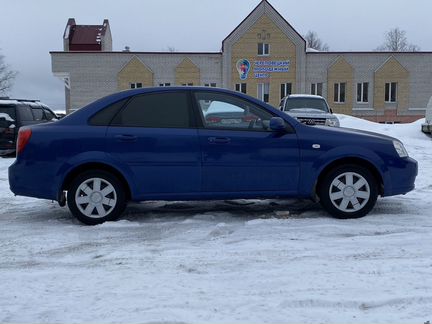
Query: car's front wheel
[(348, 191), (95, 197)]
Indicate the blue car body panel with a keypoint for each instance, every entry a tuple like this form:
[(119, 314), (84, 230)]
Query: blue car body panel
[(201, 163)]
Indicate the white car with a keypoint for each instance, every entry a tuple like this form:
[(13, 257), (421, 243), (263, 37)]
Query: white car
[(309, 109)]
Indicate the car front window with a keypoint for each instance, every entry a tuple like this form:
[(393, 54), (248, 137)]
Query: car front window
[(301, 103), (223, 111)]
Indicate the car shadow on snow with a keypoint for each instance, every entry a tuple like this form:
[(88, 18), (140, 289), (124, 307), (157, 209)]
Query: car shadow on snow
[(235, 209)]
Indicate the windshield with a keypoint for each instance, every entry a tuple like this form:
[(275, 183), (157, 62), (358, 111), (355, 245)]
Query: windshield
[(312, 103), (7, 112)]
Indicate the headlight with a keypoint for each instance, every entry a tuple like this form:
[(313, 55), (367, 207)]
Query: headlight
[(400, 149), (334, 122)]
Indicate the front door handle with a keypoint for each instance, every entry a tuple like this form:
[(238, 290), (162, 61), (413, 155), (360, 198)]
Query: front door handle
[(219, 140), (126, 138)]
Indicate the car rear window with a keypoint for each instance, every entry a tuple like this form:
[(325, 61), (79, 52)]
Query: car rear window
[(297, 103), (160, 110), (8, 112), (106, 115)]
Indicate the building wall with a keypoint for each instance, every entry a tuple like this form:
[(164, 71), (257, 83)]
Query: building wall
[(94, 75), (281, 49), (134, 71), (411, 105), (391, 71), (187, 73), (339, 72)]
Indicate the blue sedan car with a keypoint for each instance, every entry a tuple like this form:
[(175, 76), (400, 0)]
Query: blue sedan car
[(190, 143)]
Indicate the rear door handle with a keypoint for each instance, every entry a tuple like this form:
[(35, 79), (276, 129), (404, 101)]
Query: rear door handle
[(126, 138), (219, 140)]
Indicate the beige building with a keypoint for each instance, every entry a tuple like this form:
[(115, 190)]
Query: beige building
[(264, 56)]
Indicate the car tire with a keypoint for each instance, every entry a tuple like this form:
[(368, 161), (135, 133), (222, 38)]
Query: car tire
[(95, 197), (348, 191)]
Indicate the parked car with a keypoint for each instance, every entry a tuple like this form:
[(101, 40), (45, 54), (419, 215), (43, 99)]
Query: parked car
[(309, 109), (15, 113), (226, 114), (157, 144)]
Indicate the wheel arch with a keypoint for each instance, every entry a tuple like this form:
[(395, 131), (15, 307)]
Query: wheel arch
[(353, 161), (95, 166)]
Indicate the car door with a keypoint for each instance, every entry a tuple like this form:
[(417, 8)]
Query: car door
[(239, 151), (155, 136)]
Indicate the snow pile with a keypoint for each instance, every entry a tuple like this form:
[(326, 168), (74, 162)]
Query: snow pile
[(232, 262)]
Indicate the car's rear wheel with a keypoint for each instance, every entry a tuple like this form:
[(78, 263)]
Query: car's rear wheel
[(95, 197), (348, 191)]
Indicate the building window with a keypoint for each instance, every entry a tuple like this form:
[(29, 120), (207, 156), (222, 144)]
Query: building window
[(135, 85), (316, 89), (286, 89), (212, 85), (187, 84), (339, 92), (263, 49), (363, 92), (164, 84), (240, 87), (391, 92), (263, 91)]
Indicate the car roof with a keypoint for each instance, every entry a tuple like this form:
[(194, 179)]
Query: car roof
[(304, 96), (89, 110), (28, 102)]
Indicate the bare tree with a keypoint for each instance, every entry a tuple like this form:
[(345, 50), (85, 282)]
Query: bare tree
[(397, 41), (7, 76), (313, 41)]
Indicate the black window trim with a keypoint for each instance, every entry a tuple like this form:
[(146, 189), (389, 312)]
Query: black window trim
[(202, 125)]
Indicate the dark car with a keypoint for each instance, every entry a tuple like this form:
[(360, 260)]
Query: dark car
[(15, 113), (158, 144)]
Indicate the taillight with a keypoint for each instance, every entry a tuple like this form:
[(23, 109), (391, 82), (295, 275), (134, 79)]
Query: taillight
[(212, 120), (24, 135)]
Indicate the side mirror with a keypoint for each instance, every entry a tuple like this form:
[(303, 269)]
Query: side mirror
[(277, 124), (331, 111)]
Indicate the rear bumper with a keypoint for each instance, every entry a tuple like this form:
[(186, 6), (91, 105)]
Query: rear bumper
[(31, 182)]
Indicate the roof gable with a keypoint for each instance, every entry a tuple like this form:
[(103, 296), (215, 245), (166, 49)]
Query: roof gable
[(264, 8)]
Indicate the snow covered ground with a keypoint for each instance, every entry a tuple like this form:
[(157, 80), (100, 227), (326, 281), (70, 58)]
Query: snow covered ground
[(234, 261)]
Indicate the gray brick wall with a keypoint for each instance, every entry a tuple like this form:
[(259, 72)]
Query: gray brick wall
[(94, 75), (419, 66)]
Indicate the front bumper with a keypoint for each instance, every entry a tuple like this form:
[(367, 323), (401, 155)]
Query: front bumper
[(401, 177)]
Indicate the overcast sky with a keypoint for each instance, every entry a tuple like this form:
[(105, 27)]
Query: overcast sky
[(29, 29)]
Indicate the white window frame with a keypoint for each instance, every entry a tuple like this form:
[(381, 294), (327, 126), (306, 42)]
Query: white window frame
[(166, 84), (263, 89), (262, 47), (211, 85), (239, 87), (134, 85), (314, 89), (391, 92), (338, 94), (284, 89), (362, 87)]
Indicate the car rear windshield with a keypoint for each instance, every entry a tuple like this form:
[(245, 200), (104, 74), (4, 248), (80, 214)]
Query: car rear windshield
[(298, 103), (7, 112)]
